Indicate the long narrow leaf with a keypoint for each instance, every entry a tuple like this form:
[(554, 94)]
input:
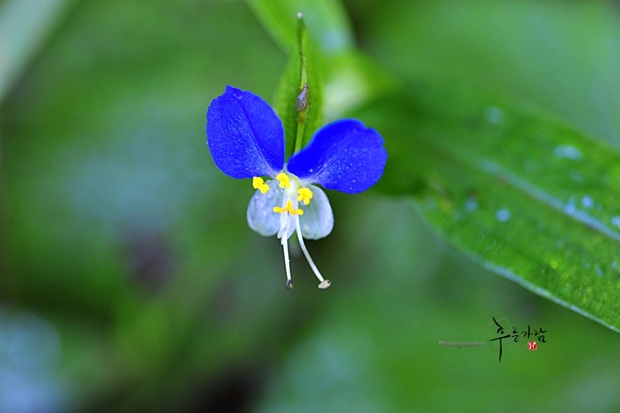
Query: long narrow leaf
[(326, 19), (530, 197), (299, 101)]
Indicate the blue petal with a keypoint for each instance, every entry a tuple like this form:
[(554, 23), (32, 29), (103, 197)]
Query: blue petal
[(344, 155), (244, 134)]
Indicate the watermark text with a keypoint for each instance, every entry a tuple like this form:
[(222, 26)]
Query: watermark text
[(460, 344)]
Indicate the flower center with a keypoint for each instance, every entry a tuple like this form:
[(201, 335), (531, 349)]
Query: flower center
[(293, 193), (291, 185), (288, 207)]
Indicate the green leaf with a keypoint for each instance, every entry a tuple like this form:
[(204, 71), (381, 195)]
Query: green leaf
[(339, 77), (326, 20), (24, 27), (299, 95), (351, 80), (569, 65), (286, 96), (531, 198)]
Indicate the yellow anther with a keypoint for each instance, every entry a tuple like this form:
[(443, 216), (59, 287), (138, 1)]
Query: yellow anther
[(288, 207), (259, 183), (284, 180), (304, 195)]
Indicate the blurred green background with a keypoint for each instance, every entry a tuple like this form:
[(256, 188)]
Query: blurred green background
[(130, 281)]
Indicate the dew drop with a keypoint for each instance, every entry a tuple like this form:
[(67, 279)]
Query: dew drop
[(502, 215), (570, 208), (567, 152), (587, 202), (471, 205), (494, 115)]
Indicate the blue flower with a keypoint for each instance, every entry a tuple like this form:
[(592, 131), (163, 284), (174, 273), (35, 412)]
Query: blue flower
[(246, 140)]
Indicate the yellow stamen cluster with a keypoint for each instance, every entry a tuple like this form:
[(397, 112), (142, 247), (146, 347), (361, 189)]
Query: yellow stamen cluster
[(304, 195), (284, 180), (259, 183), (288, 207)]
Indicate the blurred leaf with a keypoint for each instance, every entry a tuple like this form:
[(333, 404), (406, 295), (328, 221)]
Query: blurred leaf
[(299, 97), (24, 26), (344, 77), (352, 80), (113, 216), (102, 165), (326, 20), (533, 199), (560, 55)]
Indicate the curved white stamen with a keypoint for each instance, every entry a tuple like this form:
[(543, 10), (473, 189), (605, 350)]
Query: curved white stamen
[(287, 264), (323, 282), (289, 211)]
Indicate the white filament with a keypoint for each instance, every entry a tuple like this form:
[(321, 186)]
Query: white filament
[(323, 282)]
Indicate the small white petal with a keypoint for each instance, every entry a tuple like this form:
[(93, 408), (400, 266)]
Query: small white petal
[(318, 219), (261, 217), (287, 226)]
